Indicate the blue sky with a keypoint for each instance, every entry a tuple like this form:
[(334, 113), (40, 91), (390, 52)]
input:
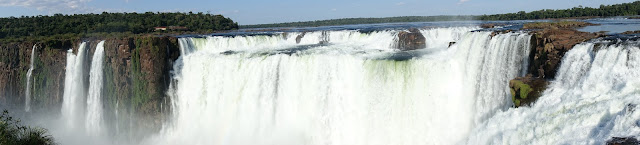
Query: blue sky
[(274, 11)]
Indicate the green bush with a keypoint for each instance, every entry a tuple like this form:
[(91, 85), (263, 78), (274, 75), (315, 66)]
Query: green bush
[(12, 133)]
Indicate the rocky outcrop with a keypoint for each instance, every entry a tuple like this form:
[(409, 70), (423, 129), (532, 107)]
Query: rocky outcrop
[(526, 90), (410, 40), (549, 46), (299, 37), (623, 141), (557, 25)]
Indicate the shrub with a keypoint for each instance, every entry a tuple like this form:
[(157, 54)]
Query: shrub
[(12, 133)]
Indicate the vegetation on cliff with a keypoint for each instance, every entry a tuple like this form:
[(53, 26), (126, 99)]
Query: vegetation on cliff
[(12, 133), (136, 23), (625, 9)]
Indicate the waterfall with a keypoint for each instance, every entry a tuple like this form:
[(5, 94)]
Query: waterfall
[(351, 90), (94, 100), (593, 98), (74, 92), (27, 98)]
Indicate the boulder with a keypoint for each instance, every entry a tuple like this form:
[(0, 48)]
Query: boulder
[(526, 90), (623, 141), (410, 40)]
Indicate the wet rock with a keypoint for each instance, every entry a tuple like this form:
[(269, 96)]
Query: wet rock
[(549, 46), (623, 141), (556, 25), (526, 90), (324, 38), (411, 40), (299, 37), (631, 32), (487, 25), (451, 43), (492, 25)]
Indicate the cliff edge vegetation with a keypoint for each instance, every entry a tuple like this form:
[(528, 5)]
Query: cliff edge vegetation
[(84, 25)]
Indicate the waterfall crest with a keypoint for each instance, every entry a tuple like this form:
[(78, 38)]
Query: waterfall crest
[(27, 99), (74, 92), (354, 89), (93, 122)]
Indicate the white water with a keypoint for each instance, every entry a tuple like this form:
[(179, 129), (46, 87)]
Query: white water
[(588, 102), (440, 37), (93, 122), (27, 98), (378, 40), (74, 92), (345, 92)]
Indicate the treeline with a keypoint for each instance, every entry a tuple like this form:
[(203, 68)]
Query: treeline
[(351, 21), (136, 23), (625, 9)]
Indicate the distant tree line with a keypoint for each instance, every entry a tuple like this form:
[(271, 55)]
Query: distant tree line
[(625, 9), (351, 21), (135, 23)]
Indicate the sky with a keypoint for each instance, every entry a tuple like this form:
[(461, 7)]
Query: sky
[(276, 11)]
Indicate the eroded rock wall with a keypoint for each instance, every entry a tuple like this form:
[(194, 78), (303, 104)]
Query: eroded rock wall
[(136, 76)]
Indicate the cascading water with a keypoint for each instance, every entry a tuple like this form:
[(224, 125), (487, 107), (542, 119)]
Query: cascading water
[(351, 90), (441, 37), (74, 93), (93, 122), (27, 98), (593, 98)]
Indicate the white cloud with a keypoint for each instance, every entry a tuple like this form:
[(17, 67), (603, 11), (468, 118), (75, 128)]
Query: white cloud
[(334, 9), (400, 3), (52, 6), (462, 1)]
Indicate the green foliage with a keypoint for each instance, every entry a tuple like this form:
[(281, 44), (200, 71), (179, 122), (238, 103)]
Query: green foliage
[(109, 85), (522, 88), (625, 9), (351, 21), (136, 23), (12, 133), (139, 84)]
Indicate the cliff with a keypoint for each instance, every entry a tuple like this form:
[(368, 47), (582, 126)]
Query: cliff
[(136, 76)]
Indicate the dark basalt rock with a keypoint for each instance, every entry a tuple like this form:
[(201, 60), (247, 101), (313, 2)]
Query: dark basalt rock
[(549, 46), (411, 40), (623, 141), (526, 90), (299, 37)]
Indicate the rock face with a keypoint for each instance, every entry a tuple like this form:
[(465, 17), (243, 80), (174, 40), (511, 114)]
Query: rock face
[(623, 141), (411, 40), (549, 46), (526, 90), (136, 77), (47, 78)]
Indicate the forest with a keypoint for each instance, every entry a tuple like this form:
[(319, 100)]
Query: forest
[(136, 23), (625, 9)]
